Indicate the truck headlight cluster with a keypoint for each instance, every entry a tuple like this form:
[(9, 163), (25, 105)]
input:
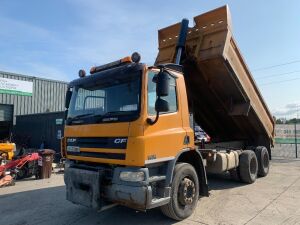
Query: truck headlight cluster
[(132, 176)]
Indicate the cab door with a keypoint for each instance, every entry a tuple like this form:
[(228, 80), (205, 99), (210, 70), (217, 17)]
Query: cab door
[(166, 137)]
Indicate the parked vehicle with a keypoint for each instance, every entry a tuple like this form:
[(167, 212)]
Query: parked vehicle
[(200, 135), (129, 135), (21, 167)]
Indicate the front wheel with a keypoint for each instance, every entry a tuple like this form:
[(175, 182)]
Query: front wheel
[(184, 192)]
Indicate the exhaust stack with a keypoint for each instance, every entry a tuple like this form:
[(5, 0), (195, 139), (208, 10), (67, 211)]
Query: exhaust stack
[(181, 40)]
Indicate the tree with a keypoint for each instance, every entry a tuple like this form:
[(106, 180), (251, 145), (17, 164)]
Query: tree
[(293, 121), (279, 121)]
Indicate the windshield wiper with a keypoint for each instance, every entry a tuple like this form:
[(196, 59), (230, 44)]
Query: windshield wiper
[(113, 113), (80, 116)]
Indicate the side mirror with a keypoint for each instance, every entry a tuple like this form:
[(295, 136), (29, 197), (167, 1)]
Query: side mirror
[(66, 114), (161, 105), (162, 89), (68, 98), (162, 84)]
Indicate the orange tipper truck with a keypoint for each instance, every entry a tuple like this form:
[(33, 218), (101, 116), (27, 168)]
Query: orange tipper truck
[(129, 129)]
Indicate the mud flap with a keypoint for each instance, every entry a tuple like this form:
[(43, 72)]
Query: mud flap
[(84, 187)]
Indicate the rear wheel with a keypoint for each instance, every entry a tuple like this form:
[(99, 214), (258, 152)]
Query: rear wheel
[(184, 194), (248, 166), (262, 156)]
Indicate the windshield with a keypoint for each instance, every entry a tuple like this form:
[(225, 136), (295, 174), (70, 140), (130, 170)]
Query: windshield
[(112, 99)]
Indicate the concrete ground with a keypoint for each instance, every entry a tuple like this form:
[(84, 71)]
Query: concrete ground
[(274, 199)]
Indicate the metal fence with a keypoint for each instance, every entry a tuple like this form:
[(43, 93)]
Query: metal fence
[(285, 150), (287, 141)]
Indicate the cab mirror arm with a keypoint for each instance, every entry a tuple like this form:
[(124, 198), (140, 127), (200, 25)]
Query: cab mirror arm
[(151, 121), (161, 105)]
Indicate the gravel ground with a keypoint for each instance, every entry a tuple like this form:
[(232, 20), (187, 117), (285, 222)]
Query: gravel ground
[(274, 199)]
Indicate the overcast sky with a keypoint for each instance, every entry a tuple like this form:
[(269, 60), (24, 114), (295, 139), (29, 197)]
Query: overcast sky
[(56, 38)]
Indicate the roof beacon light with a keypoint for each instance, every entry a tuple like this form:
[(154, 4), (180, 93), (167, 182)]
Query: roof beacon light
[(136, 57), (107, 66), (81, 73)]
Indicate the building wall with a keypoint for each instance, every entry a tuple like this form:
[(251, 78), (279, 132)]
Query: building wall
[(46, 128), (48, 96)]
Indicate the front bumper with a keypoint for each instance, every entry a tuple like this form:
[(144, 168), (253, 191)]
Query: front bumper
[(91, 189)]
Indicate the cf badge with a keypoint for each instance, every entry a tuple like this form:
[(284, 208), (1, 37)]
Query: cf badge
[(120, 140)]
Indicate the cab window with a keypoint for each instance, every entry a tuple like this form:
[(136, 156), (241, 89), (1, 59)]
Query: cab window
[(171, 98)]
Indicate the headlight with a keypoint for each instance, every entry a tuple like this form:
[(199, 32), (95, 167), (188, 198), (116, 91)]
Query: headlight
[(132, 176)]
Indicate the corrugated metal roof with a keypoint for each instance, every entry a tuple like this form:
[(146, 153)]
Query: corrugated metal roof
[(30, 77)]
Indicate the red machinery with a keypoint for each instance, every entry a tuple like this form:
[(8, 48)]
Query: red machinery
[(23, 167)]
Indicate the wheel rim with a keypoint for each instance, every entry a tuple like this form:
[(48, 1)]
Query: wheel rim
[(187, 191), (253, 166)]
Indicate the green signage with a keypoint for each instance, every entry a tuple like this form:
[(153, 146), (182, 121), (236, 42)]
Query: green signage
[(15, 87)]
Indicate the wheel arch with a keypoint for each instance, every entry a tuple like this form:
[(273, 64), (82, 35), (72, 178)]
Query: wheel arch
[(194, 158)]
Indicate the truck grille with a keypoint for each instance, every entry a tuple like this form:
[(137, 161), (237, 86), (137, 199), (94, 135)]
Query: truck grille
[(98, 142), (120, 156), (75, 145)]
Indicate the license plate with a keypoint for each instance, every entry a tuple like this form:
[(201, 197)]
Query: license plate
[(73, 149)]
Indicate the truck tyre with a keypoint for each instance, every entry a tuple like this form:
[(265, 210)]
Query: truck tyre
[(262, 156), (248, 166), (184, 192)]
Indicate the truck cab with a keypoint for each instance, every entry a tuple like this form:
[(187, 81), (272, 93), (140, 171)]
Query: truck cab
[(121, 132), (108, 113)]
